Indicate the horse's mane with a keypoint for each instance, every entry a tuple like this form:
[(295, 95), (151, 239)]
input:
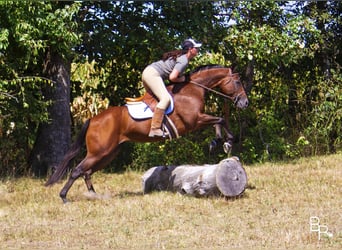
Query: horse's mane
[(178, 86), (205, 67)]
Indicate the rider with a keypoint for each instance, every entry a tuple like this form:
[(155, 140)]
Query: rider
[(171, 67)]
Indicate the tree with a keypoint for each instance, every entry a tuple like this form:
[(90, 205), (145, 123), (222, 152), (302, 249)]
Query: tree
[(35, 52), (54, 137), (325, 92), (124, 37), (288, 53)]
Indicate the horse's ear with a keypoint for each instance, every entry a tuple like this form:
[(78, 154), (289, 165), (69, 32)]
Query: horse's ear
[(235, 67)]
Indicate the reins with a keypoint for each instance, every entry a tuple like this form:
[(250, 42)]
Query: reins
[(216, 92)]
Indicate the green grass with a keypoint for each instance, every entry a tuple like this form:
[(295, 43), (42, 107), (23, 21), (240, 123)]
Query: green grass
[(274, 212)]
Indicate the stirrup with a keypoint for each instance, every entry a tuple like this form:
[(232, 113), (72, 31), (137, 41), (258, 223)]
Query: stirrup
[(157, 132)]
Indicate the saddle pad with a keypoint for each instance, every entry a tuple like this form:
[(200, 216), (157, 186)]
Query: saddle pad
[(141, 110)]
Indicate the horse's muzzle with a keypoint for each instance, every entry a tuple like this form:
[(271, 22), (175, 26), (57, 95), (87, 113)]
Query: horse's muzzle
[(241, 102)]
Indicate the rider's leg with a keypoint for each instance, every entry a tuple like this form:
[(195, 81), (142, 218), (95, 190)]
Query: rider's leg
[(156, 123), (155, 83)]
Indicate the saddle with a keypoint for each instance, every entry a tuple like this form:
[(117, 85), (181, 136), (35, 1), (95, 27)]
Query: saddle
[(143, 107), (148, 98)]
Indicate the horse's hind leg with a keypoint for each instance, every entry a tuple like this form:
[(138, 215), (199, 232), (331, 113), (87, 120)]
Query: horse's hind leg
[(86, 168), (75, 174), (87, 179)]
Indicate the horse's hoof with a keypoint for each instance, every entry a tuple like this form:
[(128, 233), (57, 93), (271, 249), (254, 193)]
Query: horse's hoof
[(64, 199), (212, 145), (227, 147)]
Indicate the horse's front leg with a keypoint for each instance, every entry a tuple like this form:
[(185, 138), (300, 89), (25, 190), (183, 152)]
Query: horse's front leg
[(219, 124), (218, 138), (228, 138)]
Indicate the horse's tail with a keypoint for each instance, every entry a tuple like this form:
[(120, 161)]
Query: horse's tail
[(72, 152)]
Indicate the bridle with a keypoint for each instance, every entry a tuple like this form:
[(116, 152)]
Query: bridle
[(234, 99)]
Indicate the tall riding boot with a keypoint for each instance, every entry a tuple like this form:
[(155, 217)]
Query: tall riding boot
[(156, 124)]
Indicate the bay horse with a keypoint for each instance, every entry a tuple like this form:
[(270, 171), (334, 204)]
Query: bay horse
[(104, 133)]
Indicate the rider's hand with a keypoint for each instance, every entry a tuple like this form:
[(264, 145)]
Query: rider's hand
[(186, 77)]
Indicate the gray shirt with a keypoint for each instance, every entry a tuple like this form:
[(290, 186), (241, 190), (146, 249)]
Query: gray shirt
[(165, 68)]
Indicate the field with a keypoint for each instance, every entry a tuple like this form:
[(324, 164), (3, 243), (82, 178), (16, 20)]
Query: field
[(273, 213)]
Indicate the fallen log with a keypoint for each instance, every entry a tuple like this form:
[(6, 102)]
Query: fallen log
[(227, 178)]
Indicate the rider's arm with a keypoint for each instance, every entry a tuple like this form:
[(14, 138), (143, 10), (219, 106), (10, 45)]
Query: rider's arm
[(174, 76)]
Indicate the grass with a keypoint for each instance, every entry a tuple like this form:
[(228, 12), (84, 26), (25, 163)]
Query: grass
[(274, 212)]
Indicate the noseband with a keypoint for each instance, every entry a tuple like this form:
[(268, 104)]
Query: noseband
[(237, 97)]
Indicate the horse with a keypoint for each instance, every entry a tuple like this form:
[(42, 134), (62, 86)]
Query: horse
[(104, 133)]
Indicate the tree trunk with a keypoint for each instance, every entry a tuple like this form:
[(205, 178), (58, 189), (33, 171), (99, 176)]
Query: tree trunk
[(323, 55), (249, 77), (54, 137), (228, 178)]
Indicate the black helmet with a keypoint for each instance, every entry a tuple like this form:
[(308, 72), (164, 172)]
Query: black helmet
[(190, 43)]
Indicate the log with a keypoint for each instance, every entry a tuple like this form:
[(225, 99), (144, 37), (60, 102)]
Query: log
[(227, 178)]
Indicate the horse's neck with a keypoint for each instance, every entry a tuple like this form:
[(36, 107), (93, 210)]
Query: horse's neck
[(212, 77)]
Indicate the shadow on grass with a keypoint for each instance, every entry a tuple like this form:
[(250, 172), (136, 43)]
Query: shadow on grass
[(126, 194)]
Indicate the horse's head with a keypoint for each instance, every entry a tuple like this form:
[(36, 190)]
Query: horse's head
[(231, 86), (210, 76)]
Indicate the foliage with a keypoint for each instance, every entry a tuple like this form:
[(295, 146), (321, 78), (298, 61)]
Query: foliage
[(124, 37), (291, 49), (283, 42), (325, 118), (87, 100), (28, 30), (20, 113), (185, 150)]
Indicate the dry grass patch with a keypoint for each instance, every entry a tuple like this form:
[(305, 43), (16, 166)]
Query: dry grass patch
[(273, 213)]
